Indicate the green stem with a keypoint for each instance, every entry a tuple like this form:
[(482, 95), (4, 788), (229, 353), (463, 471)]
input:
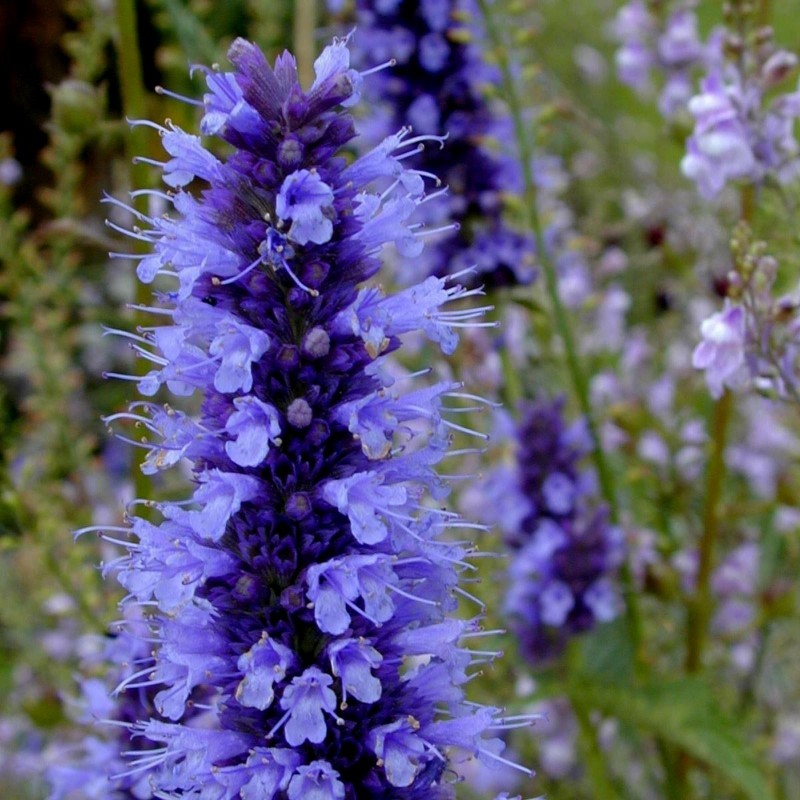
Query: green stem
[(134, 103), (700, 606), (578, 377), (305, 20), (134, 98), (671, 787), (596, 760)]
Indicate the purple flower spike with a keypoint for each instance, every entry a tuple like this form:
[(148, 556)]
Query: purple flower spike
[(436, 84), (565, 552), (297, 642)]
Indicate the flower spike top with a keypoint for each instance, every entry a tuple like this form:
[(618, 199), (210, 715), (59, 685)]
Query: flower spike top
[(302, 595), (438, 86)]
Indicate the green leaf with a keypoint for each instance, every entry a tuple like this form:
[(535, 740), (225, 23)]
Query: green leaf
[(606, 653), (193, 37), (682, 712)]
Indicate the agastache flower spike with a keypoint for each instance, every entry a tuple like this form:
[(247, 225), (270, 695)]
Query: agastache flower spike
[(302, 591), (562, 573), (436, 84)]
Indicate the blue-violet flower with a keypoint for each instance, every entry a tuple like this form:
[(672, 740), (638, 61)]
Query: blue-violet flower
[(302, 595), (437, 84), (565, 551)]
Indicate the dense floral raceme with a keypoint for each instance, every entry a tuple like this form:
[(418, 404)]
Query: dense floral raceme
[(754, 339), (743, 131), (300, 635), (565, 552), (438, 86)]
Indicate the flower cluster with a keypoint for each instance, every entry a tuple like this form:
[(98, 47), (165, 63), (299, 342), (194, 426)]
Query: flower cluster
[(301, 598), (755, 338), (671, 48), (437, 84), (565, 553), (87, 771), (741, 132)]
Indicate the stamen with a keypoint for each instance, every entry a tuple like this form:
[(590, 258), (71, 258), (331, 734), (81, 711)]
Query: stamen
[(164, 312), (464, 429), (392, 62), (244, 272), (146, 123), (465, 593), (107, 198), (175, 96), (151, 161), (512, 764), (298, 282), (137, 234)]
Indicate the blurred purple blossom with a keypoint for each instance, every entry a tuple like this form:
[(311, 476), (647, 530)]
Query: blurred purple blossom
[(668, 46), (565, 552), (437, 85)]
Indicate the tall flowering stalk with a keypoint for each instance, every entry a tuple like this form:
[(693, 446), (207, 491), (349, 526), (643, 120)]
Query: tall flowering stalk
[(742, 132), (566, 554), (299, 603), (438, 85)]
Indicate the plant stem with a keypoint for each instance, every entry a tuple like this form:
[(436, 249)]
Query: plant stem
[(304, 25), (134, 99), (700, 607), (526, 153), (602, 788), (671, 788), (580, 383), (134, 102)]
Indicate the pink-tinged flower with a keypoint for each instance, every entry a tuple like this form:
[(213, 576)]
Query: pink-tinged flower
[(722, 352)]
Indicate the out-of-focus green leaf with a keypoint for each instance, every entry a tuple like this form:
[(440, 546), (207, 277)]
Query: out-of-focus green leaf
[(606, 653), (682, 712), (193, 37)]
